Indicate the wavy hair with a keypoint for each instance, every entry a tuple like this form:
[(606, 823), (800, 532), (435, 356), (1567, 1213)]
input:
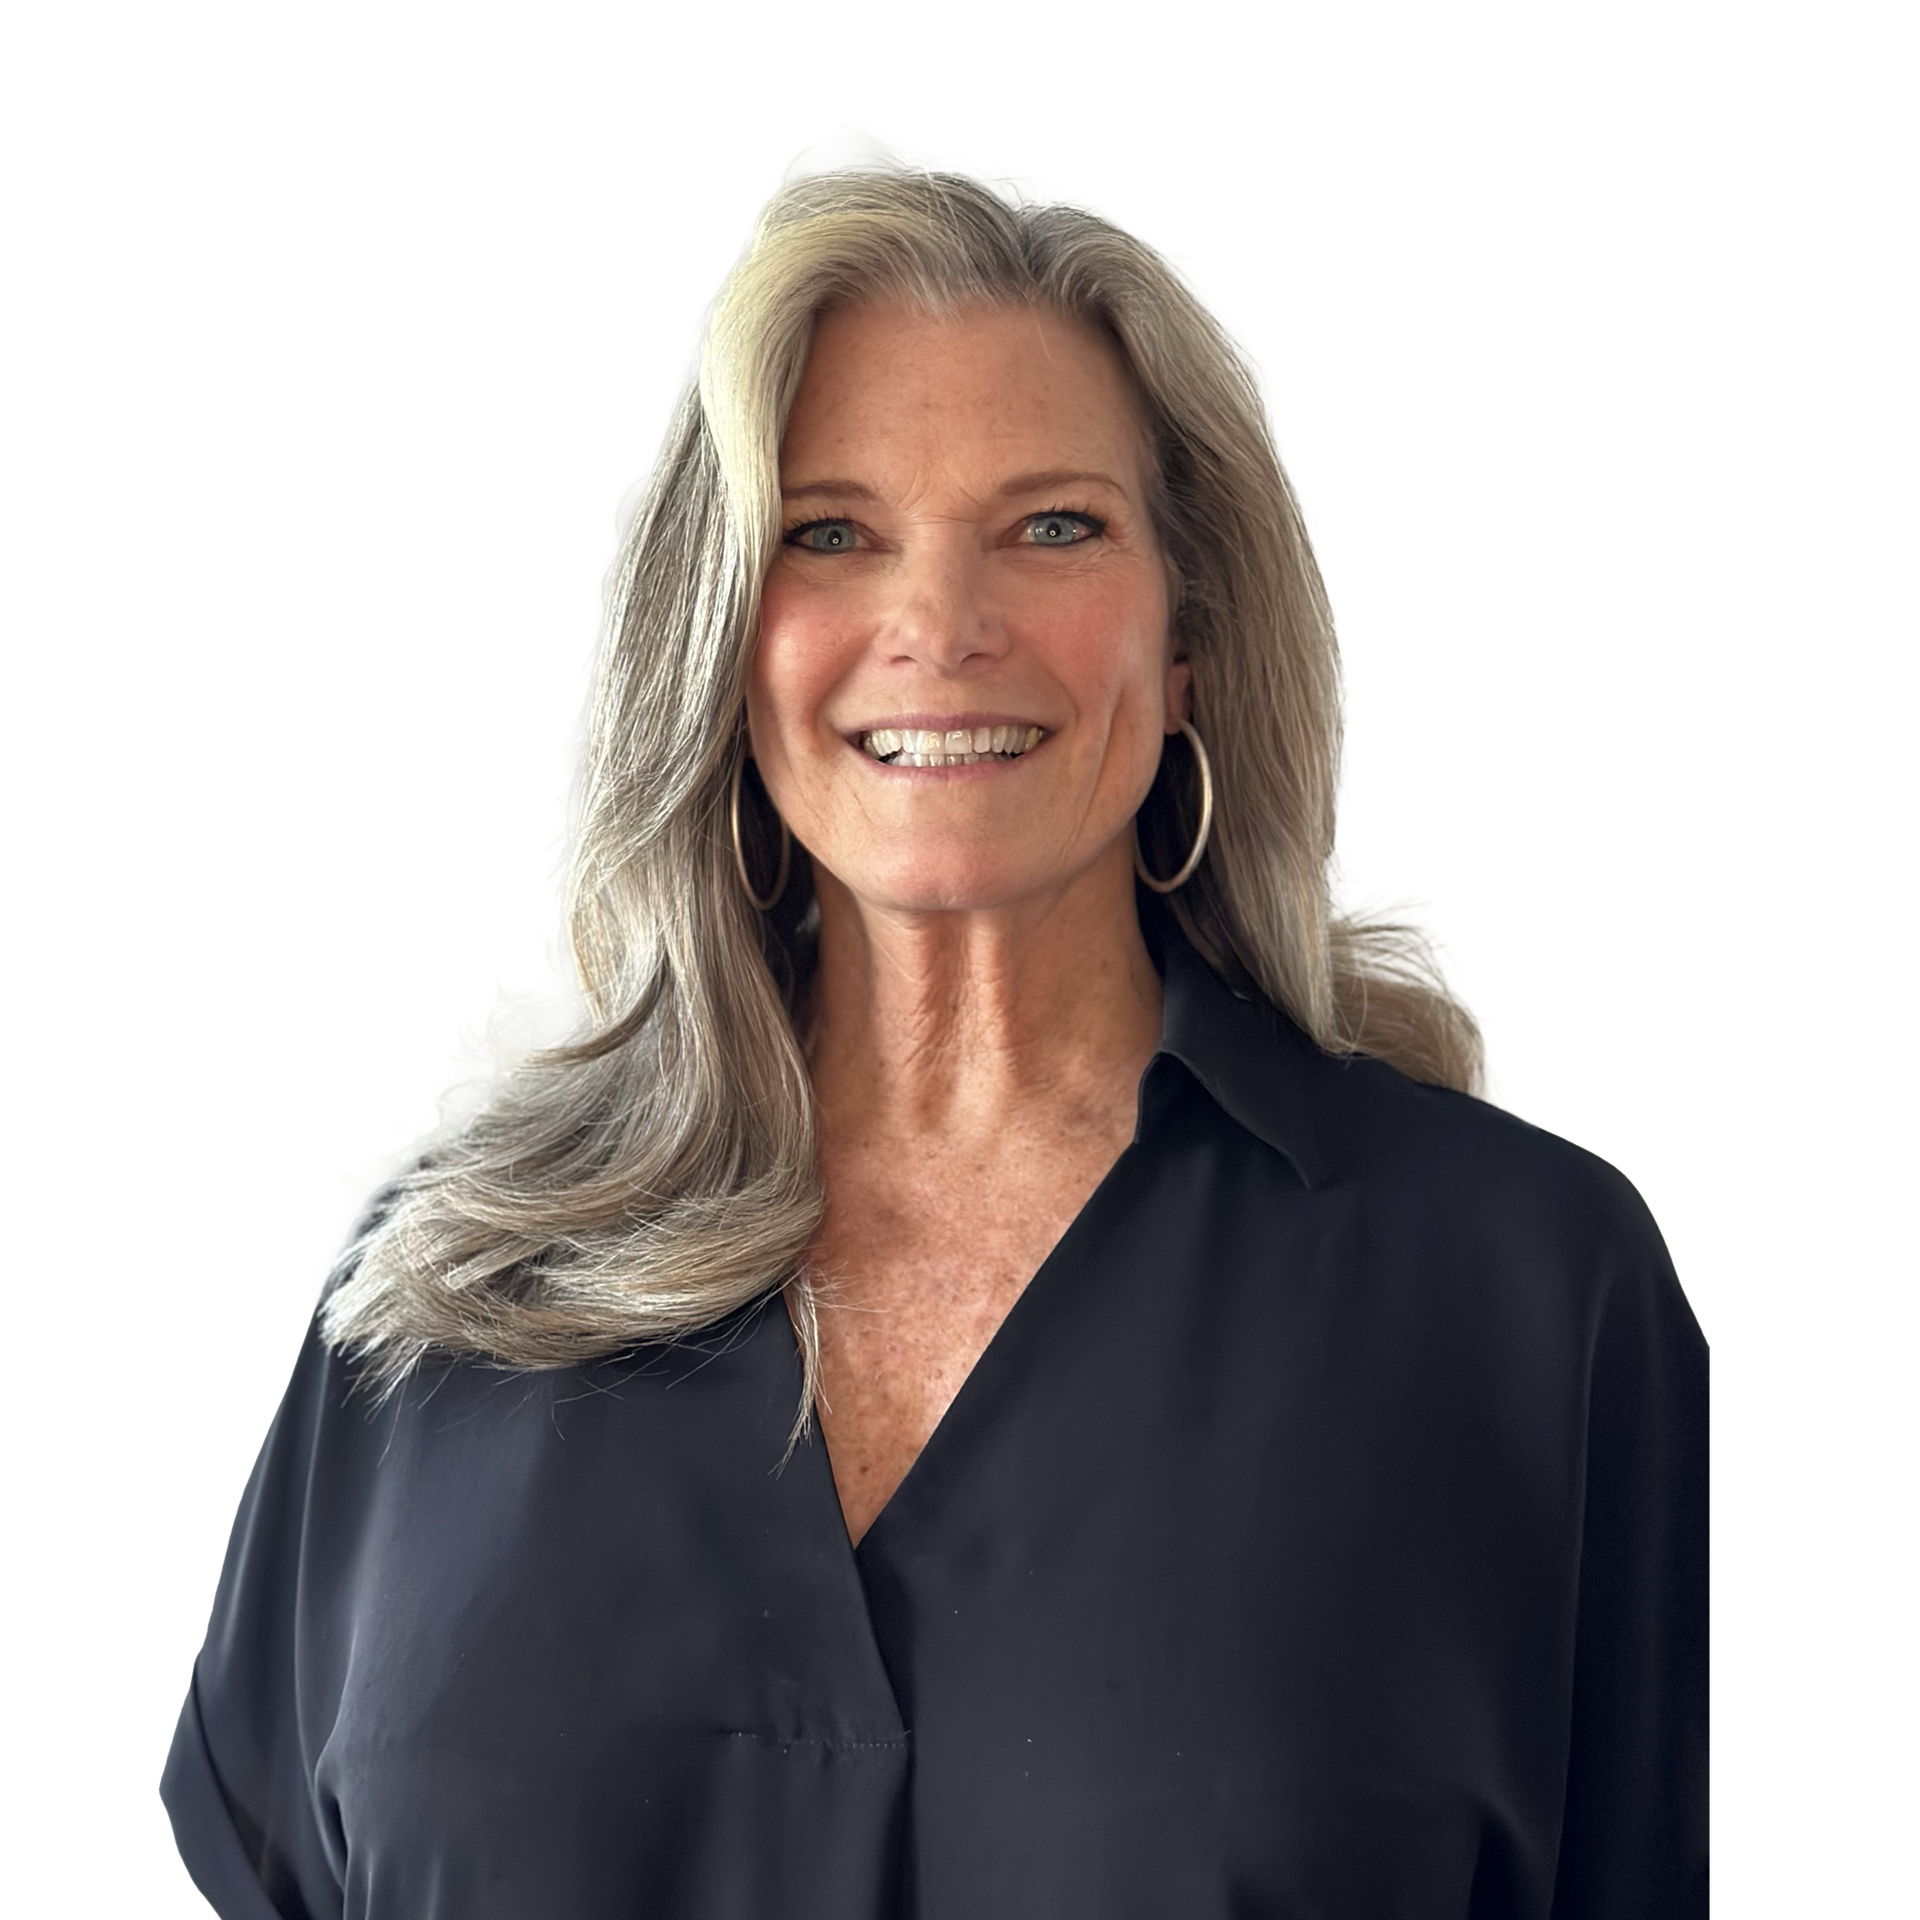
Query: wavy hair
[(659, 1172)]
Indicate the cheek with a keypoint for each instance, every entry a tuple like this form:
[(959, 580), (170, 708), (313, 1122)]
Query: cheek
[(1110, 645), (794, 668)]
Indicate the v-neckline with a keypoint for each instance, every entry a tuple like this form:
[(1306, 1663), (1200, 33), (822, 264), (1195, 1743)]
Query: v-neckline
[(977, 1382)]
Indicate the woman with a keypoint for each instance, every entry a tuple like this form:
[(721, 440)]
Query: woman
[(1005, 1373)]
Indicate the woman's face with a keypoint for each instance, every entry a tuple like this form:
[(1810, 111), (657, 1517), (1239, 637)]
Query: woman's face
[(964, 669)]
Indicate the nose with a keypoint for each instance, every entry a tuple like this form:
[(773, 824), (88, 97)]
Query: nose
[(943, 616)]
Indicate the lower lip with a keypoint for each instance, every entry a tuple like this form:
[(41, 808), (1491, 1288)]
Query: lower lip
[(979, 768)]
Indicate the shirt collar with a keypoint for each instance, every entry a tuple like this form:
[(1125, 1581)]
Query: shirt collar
[(1247, 1054)]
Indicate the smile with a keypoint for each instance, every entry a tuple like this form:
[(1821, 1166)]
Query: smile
[(956, 747)]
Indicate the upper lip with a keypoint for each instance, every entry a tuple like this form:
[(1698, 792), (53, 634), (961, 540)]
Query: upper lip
[(944, 723)]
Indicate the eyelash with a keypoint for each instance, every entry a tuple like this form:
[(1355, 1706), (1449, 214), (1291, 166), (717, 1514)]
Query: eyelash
[(1094, 524)]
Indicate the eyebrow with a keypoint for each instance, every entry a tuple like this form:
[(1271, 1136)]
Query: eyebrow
[(1039, 482)]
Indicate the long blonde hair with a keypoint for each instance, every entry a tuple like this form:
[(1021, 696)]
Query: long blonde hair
[(659, 1172)]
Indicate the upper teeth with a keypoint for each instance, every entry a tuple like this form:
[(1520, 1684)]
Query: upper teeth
[(957, 747)]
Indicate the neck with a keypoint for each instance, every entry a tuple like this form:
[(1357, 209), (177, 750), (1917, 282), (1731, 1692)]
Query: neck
[(953, 1023)]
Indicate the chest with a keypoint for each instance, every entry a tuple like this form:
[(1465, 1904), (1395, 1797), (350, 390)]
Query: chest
[(924, 1251)]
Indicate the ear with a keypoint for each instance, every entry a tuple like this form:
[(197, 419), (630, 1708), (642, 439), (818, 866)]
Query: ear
[(1179, 692)]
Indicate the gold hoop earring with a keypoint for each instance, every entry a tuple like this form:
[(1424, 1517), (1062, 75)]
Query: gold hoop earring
[(740, 852), (1185, 874)]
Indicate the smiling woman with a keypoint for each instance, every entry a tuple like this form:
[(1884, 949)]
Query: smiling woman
[(1005, 1373), (989, 566)]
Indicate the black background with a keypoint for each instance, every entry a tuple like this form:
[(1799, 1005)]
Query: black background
[(415, 392)]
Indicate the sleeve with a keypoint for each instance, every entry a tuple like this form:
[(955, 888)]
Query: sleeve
[(1634, 1834), (238, 1783), (235, 1784)]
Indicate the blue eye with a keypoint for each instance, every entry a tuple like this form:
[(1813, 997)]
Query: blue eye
[(823, 536), (1061, 529)]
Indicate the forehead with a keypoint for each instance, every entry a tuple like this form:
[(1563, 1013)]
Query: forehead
[(897, 390)]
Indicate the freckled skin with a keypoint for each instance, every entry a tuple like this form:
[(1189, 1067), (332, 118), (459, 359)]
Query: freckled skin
[(984, 1004), (943, 1200)]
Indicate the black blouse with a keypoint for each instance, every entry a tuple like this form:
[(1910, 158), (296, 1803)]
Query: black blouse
[(1322, 1534)]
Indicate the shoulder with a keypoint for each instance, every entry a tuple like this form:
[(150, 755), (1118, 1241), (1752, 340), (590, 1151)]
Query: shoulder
[(1377, 1124), (1472, 1184)]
